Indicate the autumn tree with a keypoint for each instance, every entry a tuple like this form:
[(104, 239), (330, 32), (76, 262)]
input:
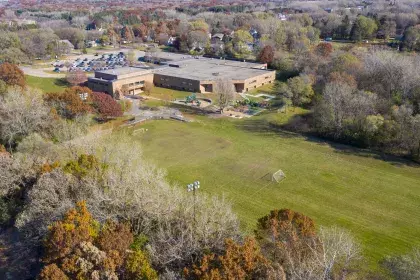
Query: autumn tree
[(84, 165), (155, 209), (266, 55), (324, 49), (225, 91), (78, 247), (63, 236), (140, 31), (289, 239), (239, 261), (137, 266), (3, 87), (127, 33), (342, 78), (301, 89), (52, 272), (76, 77), (12, 75), (70, 104), (363, 28), (105, 105)]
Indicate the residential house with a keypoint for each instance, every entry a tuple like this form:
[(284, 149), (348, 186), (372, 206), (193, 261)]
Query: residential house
[(65, 46)]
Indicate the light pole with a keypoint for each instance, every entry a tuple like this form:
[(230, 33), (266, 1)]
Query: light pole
[(193, 188)]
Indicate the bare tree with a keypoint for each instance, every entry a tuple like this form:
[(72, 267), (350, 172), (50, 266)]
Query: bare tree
[(76, 77), (404, 267), (339, 252), (225, 91), (154, 208), (22, 111), (131, 57), (148, 87)]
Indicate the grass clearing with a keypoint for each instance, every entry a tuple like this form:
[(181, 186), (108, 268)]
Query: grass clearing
[(153, 103), (172, 94), (46, 84), (267, 88), (378, 200)]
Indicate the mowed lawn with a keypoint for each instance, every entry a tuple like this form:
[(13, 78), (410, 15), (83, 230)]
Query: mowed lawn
[(46, 84), (378, 200)]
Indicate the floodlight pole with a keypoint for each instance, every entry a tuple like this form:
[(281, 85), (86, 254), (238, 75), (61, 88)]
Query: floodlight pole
[(194, 187)]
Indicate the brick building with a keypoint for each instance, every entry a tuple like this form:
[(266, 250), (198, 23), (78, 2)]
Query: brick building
[(121, 81), (193, 74)]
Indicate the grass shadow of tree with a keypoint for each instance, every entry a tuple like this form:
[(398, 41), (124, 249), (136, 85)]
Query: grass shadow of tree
[(61, 82), (264, 127)]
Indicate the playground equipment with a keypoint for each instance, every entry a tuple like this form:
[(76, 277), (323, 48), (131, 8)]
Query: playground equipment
[(192, 99)]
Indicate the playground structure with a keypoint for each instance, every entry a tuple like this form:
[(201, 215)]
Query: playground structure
[(193, 100)]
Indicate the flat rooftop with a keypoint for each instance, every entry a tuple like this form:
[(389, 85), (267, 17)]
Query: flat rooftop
[(123, 71), (205, 69)]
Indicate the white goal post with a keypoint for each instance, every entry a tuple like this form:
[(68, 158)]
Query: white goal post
[(278, 176)]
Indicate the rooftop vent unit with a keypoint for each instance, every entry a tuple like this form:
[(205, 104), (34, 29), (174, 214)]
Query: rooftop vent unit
[(215, 74)]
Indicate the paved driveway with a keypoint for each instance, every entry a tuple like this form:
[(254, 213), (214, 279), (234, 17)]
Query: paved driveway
[(40, 72)]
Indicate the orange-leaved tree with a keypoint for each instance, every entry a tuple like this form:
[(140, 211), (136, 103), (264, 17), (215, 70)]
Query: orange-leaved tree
[(78, 247), (12, 75), (63, 236), (287, 238), (72, 102), (237, 262)]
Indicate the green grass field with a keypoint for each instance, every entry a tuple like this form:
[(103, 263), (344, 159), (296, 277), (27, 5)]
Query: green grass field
[(46, 84), (378, 200), (171, 94)]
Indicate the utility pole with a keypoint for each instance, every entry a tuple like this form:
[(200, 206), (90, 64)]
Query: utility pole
[(193, 188)]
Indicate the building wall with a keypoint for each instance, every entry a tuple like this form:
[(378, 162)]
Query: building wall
[(258, 81), (134, 85), (100, 86), (167, 81), (243, 85)]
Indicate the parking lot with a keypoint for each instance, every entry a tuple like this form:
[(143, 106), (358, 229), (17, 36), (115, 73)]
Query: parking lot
[(102, 60), (90, 64)]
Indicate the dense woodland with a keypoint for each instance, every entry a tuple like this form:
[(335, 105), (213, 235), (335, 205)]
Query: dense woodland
[(77, 206)]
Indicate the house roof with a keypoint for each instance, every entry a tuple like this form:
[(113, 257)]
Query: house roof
[(218, 35), (67, 42)]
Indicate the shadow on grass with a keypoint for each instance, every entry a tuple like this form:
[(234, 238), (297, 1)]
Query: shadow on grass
[(61, 82), (190, 110), (398, 161), (264, 127)]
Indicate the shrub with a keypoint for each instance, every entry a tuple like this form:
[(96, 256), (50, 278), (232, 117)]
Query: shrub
[(105, 105)]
